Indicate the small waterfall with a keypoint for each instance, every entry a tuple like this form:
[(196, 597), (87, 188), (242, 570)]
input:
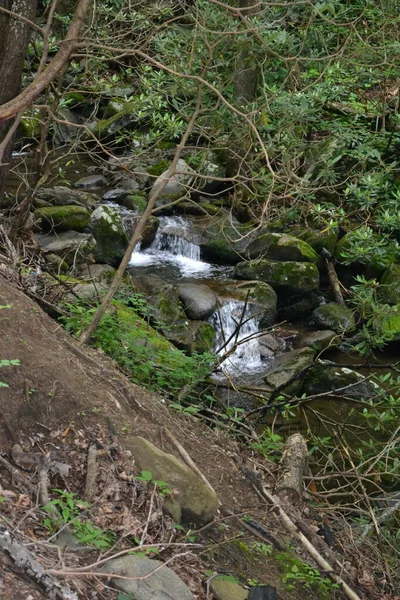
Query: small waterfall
[(172, 246), (246, 357)]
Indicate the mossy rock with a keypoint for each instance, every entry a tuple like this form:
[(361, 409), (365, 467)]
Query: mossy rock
[(334, 316), (134, 202), (73, 247), (282, 247), (389, 289), (287, 369), (63, 217), (127, 117), (318, 239), (317, 340), (297, 277), (108, 231), (260, 297), (337, 381)]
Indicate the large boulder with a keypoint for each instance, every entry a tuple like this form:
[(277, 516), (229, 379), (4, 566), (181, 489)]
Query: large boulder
[(146, 579), (280, 246), (177, 185), (338, 382), (107, 228), (60, 195), (63, 217), (389, 289), (286, 370), (294, 276), (71, 246), (199, 301), (334, 316), (223, 238), (192, 501)]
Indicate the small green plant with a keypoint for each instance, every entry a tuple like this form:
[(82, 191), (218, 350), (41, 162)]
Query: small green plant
[(269, 444), (147, 477), (65, 509), (296, 572)]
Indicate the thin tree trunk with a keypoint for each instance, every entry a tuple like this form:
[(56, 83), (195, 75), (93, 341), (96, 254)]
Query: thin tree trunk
[(137, 234), (14, 38)]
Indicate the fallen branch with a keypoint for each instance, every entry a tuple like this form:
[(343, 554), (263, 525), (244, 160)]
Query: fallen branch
[(91, 473), (25, 561), (289, 487)]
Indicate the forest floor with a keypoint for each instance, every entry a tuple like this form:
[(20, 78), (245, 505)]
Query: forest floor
[(61, 399)]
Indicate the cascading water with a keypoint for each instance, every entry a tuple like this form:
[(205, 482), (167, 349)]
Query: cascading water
[(236, 331), (172, 246)]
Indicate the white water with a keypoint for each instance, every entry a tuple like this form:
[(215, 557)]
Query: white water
[(170, 247), (245, 357)]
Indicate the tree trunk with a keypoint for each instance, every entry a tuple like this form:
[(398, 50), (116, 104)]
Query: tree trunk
[(247, 71), (14, 39)]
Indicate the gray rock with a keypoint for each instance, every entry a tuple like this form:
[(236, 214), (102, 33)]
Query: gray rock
[(334, 316), (96, 272), (115, 195), (192, 501), (130, 184), (300, 308), (287, 366), (223, 589), (270, 345), (198, 300), (60, 195), (88, 291), (91, 181), (296, 277), (163, 584), (71, 246), (211, 167), (177, 185), (260, 297), (337, 381), (66, 132), (107, 228), (317, 340), (280, 246)]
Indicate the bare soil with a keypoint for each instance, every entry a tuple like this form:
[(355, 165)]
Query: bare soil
[(61, 398)]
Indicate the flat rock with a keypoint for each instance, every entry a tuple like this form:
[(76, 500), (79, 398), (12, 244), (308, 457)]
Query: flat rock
[(223, 589), (337, 381), (71, 246), (198, 300), (287, 366), (163, 584), (192, 502), (91, 181), (60, 195), (317, 340)]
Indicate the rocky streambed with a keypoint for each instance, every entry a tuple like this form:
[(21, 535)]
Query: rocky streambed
[(256, 296)]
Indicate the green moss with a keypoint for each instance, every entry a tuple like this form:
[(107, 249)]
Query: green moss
[(158, 168), (318, 239), (204, 338), (222, 250), (135, 202), (281, 247), (63, 217), (300, 276), (334, 316), (29, 126), (389, 289)]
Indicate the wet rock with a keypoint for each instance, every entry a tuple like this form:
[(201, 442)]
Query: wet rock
[(60, 195), (389, 289), (282, 247), (65, 132), (318, 239), (91, 181), (293, 276), (177, 185), (192, 501), (63, 217), (134, 202), (299, 308), (337, 381), (223, 589), (162, 584), (115, 195), (224, 239), (286, 371), (270, 345), (107, 228), (334, 316), (317, 340), (71, 246), (198, 300)]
